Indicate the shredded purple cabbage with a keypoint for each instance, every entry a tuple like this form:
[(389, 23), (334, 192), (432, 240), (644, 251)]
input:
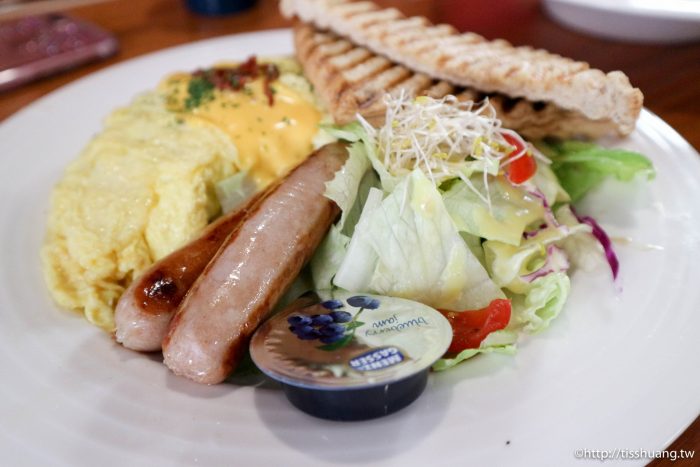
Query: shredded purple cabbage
[(533, 233), (556, 261), (603, 239), (548, 214)]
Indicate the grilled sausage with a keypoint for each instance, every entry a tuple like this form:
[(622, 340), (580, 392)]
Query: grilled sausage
[(236, 291), (145, 309)]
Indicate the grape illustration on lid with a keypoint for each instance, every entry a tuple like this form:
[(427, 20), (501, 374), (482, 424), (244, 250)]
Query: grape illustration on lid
[(350, 356)]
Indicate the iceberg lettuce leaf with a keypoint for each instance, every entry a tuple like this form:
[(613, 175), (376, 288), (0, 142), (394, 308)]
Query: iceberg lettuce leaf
[(547, 183), (507, 264), (351, 132), (233, 191), (351, 184), (447, 363), (532, 313), (542, 303), (327, 259), (355, 271), (355, 133), (512, 209), (582, 248), (407, 246)]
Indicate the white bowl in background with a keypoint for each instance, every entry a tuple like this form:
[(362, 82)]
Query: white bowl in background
[(649, 21)]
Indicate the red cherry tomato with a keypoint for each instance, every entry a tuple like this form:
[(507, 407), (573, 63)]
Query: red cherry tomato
[(523, 168), (470, 328)]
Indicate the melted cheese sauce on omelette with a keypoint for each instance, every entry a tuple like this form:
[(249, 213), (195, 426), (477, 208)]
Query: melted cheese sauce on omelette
[(271, 139)]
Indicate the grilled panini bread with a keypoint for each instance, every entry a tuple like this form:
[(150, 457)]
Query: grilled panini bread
[(353, 52), (352, 80)]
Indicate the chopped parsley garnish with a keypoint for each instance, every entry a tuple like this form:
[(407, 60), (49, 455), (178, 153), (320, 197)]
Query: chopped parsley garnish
[(199, 91)]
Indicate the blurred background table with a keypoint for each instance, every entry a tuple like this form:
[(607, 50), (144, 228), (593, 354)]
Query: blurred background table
[(669, 75)]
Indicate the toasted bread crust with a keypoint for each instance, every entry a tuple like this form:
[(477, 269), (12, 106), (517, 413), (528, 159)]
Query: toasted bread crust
[(598, 102), (352, 80)]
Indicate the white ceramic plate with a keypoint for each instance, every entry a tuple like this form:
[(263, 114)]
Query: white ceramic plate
[(660, 21), (616, 370)]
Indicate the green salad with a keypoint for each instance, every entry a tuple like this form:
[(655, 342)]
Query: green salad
[(443, 206)]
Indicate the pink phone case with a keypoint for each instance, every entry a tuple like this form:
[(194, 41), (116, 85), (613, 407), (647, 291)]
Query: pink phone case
[(38, 46)]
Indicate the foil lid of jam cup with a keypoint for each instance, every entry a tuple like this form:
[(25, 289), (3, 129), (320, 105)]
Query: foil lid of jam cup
[(333, 352)]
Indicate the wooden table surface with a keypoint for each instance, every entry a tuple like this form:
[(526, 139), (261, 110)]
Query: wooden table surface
[(668, 75)]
